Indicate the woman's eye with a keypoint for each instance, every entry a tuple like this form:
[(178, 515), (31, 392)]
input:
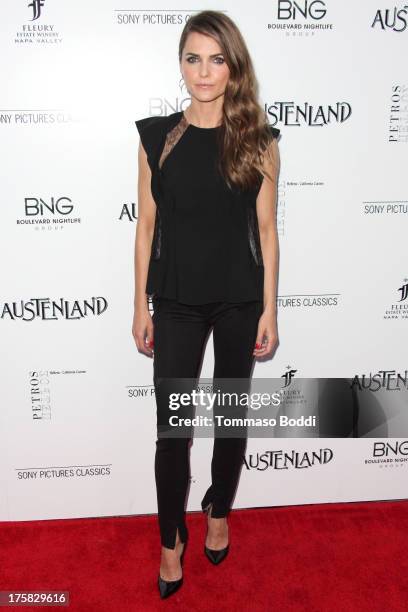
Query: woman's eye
[(218, 60)]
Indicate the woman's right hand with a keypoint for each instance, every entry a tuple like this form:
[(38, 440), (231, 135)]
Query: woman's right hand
[(142, 330)]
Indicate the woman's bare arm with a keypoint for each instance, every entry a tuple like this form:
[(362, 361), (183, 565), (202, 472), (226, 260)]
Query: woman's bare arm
[(142, 323), (266, 213)]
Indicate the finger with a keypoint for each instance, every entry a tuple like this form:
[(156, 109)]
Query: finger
[(259, 338), (149, 341), (142, 346), (259, 344), (145, 350), (261, 348), (268, 346)]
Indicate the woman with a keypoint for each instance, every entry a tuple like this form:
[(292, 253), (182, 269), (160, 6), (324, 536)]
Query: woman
[(206, 250)]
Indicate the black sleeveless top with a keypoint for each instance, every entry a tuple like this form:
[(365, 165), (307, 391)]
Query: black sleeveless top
[(206, 245)]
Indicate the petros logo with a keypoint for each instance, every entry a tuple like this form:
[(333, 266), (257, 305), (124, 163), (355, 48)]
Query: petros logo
[(40, 395), (46, 309), (386, 453), (285, 189), (52, 213), (395, 19), (287, 460), (307, 114), (300, 18), (40, 389), (397, 123), (398, 309), (35, 31), (281, 208)]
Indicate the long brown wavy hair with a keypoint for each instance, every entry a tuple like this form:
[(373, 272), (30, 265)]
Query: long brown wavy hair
[(244, 135)]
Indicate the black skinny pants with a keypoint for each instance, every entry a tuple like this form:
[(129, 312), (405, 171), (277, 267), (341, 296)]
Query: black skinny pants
[(180, 332)]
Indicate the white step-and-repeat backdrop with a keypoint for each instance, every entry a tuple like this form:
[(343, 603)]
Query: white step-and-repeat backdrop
[(78, 409)]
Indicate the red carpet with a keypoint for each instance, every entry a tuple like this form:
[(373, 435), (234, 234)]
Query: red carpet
[(329, 557)]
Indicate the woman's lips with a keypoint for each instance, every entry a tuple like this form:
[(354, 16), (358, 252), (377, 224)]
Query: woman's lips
[(203, 86)]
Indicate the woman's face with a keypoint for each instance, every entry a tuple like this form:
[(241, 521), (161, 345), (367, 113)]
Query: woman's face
[(203, 67)]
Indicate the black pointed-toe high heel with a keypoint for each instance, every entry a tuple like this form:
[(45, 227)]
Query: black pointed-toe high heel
[(168, 587), (215, 556)]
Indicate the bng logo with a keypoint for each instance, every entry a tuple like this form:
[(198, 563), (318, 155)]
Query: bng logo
[(309, 10)]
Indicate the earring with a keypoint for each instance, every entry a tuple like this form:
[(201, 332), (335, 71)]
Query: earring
[(182, 84)]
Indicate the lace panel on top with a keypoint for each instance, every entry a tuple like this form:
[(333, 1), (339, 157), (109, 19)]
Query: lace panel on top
[(172, 138)]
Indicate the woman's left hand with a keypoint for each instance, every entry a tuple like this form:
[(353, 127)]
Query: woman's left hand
[(267, 336)]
